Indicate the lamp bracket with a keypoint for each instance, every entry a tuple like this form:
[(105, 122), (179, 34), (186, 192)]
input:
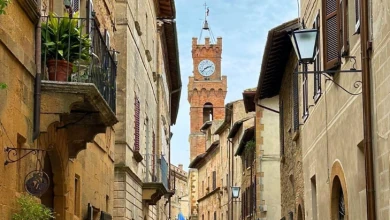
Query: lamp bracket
[(356, 84), (14, 156)]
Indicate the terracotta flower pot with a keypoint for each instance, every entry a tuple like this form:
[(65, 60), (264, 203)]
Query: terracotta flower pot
[(59, 70)]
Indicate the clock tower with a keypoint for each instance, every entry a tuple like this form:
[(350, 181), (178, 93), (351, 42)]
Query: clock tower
[(206, 91)]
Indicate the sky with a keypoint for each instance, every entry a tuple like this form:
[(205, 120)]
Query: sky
[(243, 26)]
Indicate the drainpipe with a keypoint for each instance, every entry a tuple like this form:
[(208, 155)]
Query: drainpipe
[(367, 122), (232, 177), (37, 85)]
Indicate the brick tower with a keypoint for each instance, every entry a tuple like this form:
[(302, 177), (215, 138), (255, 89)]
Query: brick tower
[(206, 91), (206, 95)]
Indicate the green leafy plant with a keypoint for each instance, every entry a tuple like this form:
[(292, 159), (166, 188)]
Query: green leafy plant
[(63, 39), (3, 5), (3, 85), (30, 208), (250, 146)]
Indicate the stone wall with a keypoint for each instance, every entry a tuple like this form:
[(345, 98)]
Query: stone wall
[(380, 88), (17, 64)]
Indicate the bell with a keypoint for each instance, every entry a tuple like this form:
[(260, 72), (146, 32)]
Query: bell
[(205, 25)]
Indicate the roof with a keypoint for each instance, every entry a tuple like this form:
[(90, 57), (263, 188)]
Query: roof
[(236, 126), (228, 118), (166, 9), (197, 160), (249, 100), (170, 34), (248, 135), (200, 158), (275, 57)]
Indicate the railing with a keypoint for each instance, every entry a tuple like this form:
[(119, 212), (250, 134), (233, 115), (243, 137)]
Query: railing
[(164, 172), (72, 53)]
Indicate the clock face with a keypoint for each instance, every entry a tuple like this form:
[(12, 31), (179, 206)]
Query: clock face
[(206, 67)]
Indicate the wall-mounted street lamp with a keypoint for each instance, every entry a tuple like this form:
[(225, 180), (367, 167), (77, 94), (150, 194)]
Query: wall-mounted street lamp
[(235, 192), (305, 45)]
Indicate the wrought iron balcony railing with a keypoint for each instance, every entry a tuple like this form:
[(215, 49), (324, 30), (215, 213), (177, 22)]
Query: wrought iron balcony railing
[(162, 166), (74, 50), (164, 172)]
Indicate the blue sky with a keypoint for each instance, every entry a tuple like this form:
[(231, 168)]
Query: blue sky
[(243, 25)]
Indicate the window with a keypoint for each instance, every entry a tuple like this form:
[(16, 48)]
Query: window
[(317, 63), (357, 16), (331, 34), (77, 195), (281, 128), (343, 27), (305, 94), (137, 112), (202, 187), (207, 112), (215, 215), (214, 180), (314, 197), (107, 38)]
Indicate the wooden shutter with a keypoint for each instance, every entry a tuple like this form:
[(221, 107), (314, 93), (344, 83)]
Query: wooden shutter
[(295, 101), (214, 180), (136, 123), (281, 128), (331, 34)]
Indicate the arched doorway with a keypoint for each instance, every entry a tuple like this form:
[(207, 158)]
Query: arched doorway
[(47, 199)]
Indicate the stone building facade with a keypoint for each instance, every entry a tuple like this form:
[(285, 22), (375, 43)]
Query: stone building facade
[(149, 78), (322, 134), (266, 161), (68, 124), (179, 201)]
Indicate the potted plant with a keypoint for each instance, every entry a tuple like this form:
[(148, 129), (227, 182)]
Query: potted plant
[(63, 43)]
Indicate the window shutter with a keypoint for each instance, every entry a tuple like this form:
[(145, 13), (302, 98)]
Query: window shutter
[(281, 128), (136, 123), (295, 101), (214, 180), (331, 35)]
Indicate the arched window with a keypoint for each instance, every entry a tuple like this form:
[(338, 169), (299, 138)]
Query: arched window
[(338, 202), (207, 112)]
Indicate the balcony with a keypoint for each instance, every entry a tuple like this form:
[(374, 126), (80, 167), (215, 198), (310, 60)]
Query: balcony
[(79, 80), (153, 190)]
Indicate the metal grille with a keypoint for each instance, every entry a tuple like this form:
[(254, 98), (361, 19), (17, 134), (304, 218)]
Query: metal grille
[(331, 6), (76, 5), (332, 39)]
